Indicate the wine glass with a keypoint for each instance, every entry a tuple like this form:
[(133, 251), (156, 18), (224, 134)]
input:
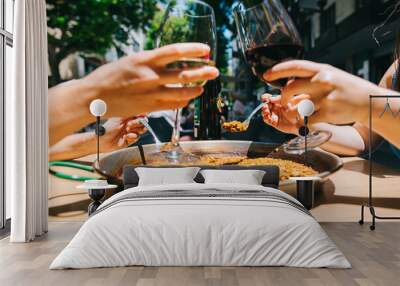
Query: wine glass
[(183, 22), (268, 37)]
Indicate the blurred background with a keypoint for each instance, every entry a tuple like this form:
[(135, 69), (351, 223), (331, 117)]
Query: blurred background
[(355, 35)]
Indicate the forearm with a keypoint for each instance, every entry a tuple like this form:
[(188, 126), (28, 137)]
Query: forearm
[(345, 140), (73, 146), (68, 106)]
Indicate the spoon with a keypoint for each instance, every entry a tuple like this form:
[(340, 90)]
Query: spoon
[(146, 124), (246, 123)]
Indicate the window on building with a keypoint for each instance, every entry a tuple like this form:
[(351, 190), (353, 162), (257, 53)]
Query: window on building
[(327, 18), (6, 45)]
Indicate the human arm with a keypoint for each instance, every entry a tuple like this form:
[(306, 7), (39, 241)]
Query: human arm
[(130, 86), (345, 140), (340, 98), (119, 133)]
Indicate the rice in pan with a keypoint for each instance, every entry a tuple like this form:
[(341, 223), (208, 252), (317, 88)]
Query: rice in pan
[(287, 168)]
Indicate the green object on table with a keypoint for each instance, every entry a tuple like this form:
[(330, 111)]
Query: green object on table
[(72, 165)]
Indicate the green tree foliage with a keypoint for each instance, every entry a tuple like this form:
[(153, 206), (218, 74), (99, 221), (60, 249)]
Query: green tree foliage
[(175, 30), (225, 27), (223, 15), (92, 26), (154, 29)]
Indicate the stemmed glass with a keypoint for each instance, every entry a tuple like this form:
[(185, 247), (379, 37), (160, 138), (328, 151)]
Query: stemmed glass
[(183, 22), (268, 37)]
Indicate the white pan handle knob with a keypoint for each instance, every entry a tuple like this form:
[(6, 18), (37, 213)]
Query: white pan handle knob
[(306, 108), (98, 107)]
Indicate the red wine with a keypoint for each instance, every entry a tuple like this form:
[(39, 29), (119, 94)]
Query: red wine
[(262, 58)]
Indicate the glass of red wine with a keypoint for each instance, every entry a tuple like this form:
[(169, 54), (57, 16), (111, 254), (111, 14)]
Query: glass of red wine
[(267, 37), (186, 21)]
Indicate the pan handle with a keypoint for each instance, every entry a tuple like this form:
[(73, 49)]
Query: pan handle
[(142, 156), (75, 165)]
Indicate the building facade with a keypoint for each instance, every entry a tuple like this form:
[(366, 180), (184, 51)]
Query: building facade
[(358, 36)]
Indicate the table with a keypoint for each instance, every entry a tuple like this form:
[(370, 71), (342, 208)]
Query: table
[(337, 198)]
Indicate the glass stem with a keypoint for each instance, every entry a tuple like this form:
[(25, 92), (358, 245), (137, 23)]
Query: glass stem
[(176, 132)]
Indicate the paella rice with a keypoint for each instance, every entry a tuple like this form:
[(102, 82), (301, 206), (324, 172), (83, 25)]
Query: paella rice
[(287, 168), (234, 126)]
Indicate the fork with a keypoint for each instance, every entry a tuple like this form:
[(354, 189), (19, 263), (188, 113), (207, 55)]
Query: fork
[(146, 124)]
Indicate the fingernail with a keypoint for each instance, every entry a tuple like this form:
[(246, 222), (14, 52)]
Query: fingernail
[(215, 71), (121, 141), (132, 135), (133, 122), (207, 70), (267, 74), (200, 90)]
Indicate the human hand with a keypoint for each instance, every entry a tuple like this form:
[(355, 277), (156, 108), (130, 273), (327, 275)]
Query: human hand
[(136, 84), (283, 117), (339, 97), (120, 133)]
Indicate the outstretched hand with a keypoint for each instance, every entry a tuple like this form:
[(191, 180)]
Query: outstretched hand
[(133, 85), (136, 84), (283, 117), (120, 133), (339, 97)]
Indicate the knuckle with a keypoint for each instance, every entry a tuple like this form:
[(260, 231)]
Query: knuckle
[(175, 50), (154, 77), (185, 76), (326, 66), (127, 68), (136, 58), (296, 66), (331, 98)]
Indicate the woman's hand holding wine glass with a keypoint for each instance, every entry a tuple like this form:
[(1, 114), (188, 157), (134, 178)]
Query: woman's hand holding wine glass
[(329, 88), (269, 38), (133, 85), (186, 21), (283, 116), (142, 78)]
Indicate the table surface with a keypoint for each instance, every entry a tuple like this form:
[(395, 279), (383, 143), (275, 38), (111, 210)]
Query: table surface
[(338, 198)]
